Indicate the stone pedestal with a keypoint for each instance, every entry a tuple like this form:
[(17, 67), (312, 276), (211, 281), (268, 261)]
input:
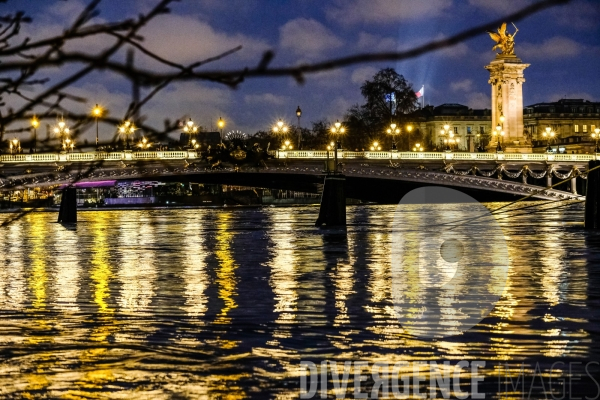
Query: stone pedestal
[(506, 78)]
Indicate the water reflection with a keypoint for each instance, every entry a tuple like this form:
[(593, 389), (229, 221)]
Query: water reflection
[(136, 269), (209, 303), (194, 273), (13, 293)]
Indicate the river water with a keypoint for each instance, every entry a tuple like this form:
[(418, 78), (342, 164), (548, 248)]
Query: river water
[(226, 303)]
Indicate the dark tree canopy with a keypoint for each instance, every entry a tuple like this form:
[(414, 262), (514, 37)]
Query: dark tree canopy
[(389, 96)]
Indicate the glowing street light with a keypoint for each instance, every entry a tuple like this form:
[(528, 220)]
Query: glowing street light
[(281, 129), (221, 124), (62, 130), (144, 144), (418, 147), (299, 114), (447, 136), (393, 130), (548, 134), (287, 145), (337, 129), (375, 146), (596, 136), (125, 129), (34, 124), (97, 113), (191, 129), (15, 146)]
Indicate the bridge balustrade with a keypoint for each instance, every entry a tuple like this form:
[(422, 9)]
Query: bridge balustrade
[(299, 154), (144, 155)]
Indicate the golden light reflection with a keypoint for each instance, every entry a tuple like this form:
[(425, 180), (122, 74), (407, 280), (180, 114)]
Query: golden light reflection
[(343, 280), (66, 269), (101, 272), (137, 271), (380, 245), (226, 279), (39, 254), (13, 294), (194, 274), (284, 271)]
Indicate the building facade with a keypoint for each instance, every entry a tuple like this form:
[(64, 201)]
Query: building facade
[(471, 128), (572, 120)]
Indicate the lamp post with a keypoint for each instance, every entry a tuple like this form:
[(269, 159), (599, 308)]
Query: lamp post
[(447, 136), (337, 129), (299, 114), (418, 147), (144, 144), (409, 129), (596, 136), (500, 133), (127, 128), (97, 112), (62, 130), (191, 129), (287, 145), (34, 124), (328, 150), (393, 130), (375, 146), (280, 129), (15, 146), (68, 144), (548, 135), (221, 124)]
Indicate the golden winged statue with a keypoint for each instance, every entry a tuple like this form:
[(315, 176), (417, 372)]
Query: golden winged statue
[(504, 40)]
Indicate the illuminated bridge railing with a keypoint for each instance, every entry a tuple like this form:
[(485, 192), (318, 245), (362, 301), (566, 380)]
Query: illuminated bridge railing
[(300, 155), (422, 155)]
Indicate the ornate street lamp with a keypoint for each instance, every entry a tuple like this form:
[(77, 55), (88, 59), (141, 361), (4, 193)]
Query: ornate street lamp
[(375, 147), (447, 136), (281, 129), (337, 129), (299, 114), (393, 130), (34, 124), (144, 144), (549, 135), (68, 144), (287, 145), (191, 129), (409, 129), (221, 124), (15, 146), (596, 136), (418, 147), (97, 113), (127, 128), (62, 130)]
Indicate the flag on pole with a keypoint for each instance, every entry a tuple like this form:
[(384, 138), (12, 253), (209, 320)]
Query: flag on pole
[(421, 92)]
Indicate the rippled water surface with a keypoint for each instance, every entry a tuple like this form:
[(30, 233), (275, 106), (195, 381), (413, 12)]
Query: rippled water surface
[(224, 303)]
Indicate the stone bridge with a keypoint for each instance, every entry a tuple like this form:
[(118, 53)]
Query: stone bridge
[(370, 176)]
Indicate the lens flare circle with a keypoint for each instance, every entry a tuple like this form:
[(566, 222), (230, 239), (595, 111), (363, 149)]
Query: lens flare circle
[(449, 262)]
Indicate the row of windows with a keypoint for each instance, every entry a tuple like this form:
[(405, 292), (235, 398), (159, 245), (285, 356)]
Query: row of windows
[(584, 128)]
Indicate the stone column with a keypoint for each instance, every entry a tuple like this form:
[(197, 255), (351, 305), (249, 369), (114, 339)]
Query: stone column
[(506, 78)]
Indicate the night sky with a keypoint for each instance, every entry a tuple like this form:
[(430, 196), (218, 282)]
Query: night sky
[(561, 44)]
